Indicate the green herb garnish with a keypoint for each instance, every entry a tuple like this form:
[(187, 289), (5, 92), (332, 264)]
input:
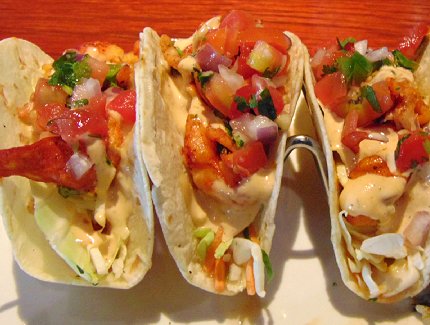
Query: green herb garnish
[(345, 42), (111, 75), (204, 77), (241, 102), (69, 71), (67, 191), (403, 61), (329, 69), (79, 103), (80, 270), (266, 106), (355, 68), (267, 265), (399, 144), (368, 93)]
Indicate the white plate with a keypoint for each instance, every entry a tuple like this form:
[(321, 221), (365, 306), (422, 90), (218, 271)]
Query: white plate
[(306, 288)]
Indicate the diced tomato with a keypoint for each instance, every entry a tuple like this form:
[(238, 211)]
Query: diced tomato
[(47, 94), (237, 19), (49, 112), (325, 57), (89, 119), (125, 104), (277, 98), (217, 38), (249, 159), (245, 92), (265, 57), (331, 88), (219, 94), (412, 150), (275, 38), (350, 136), (410, 43), (242, 66), (99, 69), (45, 161)]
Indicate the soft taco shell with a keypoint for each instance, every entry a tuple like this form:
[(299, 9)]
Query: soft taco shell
[(21, 63), (339, 233), (161, 142)]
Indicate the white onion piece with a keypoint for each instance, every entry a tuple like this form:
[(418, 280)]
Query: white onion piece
[(261, 83), (259, 127), (79, 164), (111, 93), (233, 79), (361, 46), (209, 59), (318, 57), (378, 55), (98, 261), (88, 89), (418, 229)]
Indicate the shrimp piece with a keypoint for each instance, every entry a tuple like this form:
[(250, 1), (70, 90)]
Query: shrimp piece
[(170, 53), (108, 52), (202, 158), (410, 112)]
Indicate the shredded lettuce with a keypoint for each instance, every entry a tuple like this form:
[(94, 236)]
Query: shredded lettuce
[(204, 244), (267, 265)]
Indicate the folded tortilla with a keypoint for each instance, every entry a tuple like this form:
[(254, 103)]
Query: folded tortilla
[(53, 258), (163, 106), (371, 276)]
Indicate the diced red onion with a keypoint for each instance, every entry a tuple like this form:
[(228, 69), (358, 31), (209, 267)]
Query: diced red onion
[(418, 229), (361, 47), (209, 59), (378, 55), (258, 127), (88, 89), (79, 164), (233, 79)]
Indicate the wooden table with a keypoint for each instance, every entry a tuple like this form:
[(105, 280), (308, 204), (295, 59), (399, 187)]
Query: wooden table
[(56, 25)]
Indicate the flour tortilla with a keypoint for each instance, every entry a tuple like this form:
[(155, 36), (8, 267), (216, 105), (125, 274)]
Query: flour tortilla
[(21, 65), (161, 144), (339, 234)]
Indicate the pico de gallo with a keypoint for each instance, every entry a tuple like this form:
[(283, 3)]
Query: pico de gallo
[(82, 114), (237, 72), (376, 109)]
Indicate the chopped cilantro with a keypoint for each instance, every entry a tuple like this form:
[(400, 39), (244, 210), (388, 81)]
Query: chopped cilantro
[(69, 70), (266, 106), (80, 270), (403, 61), (399, 143), (427, 146), (180, 52), (267, 265), (204, 77), (271, 73), (355, 68), (111, 75), (228, 128), (239, 142), (67, 191), (368, 93), (329, 69), (242, 105), (79, 103), (345, 42), (253, 102)]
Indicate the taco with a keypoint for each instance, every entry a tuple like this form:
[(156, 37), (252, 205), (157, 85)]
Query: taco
[(371, 109), (213, 111), (74, 200)]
